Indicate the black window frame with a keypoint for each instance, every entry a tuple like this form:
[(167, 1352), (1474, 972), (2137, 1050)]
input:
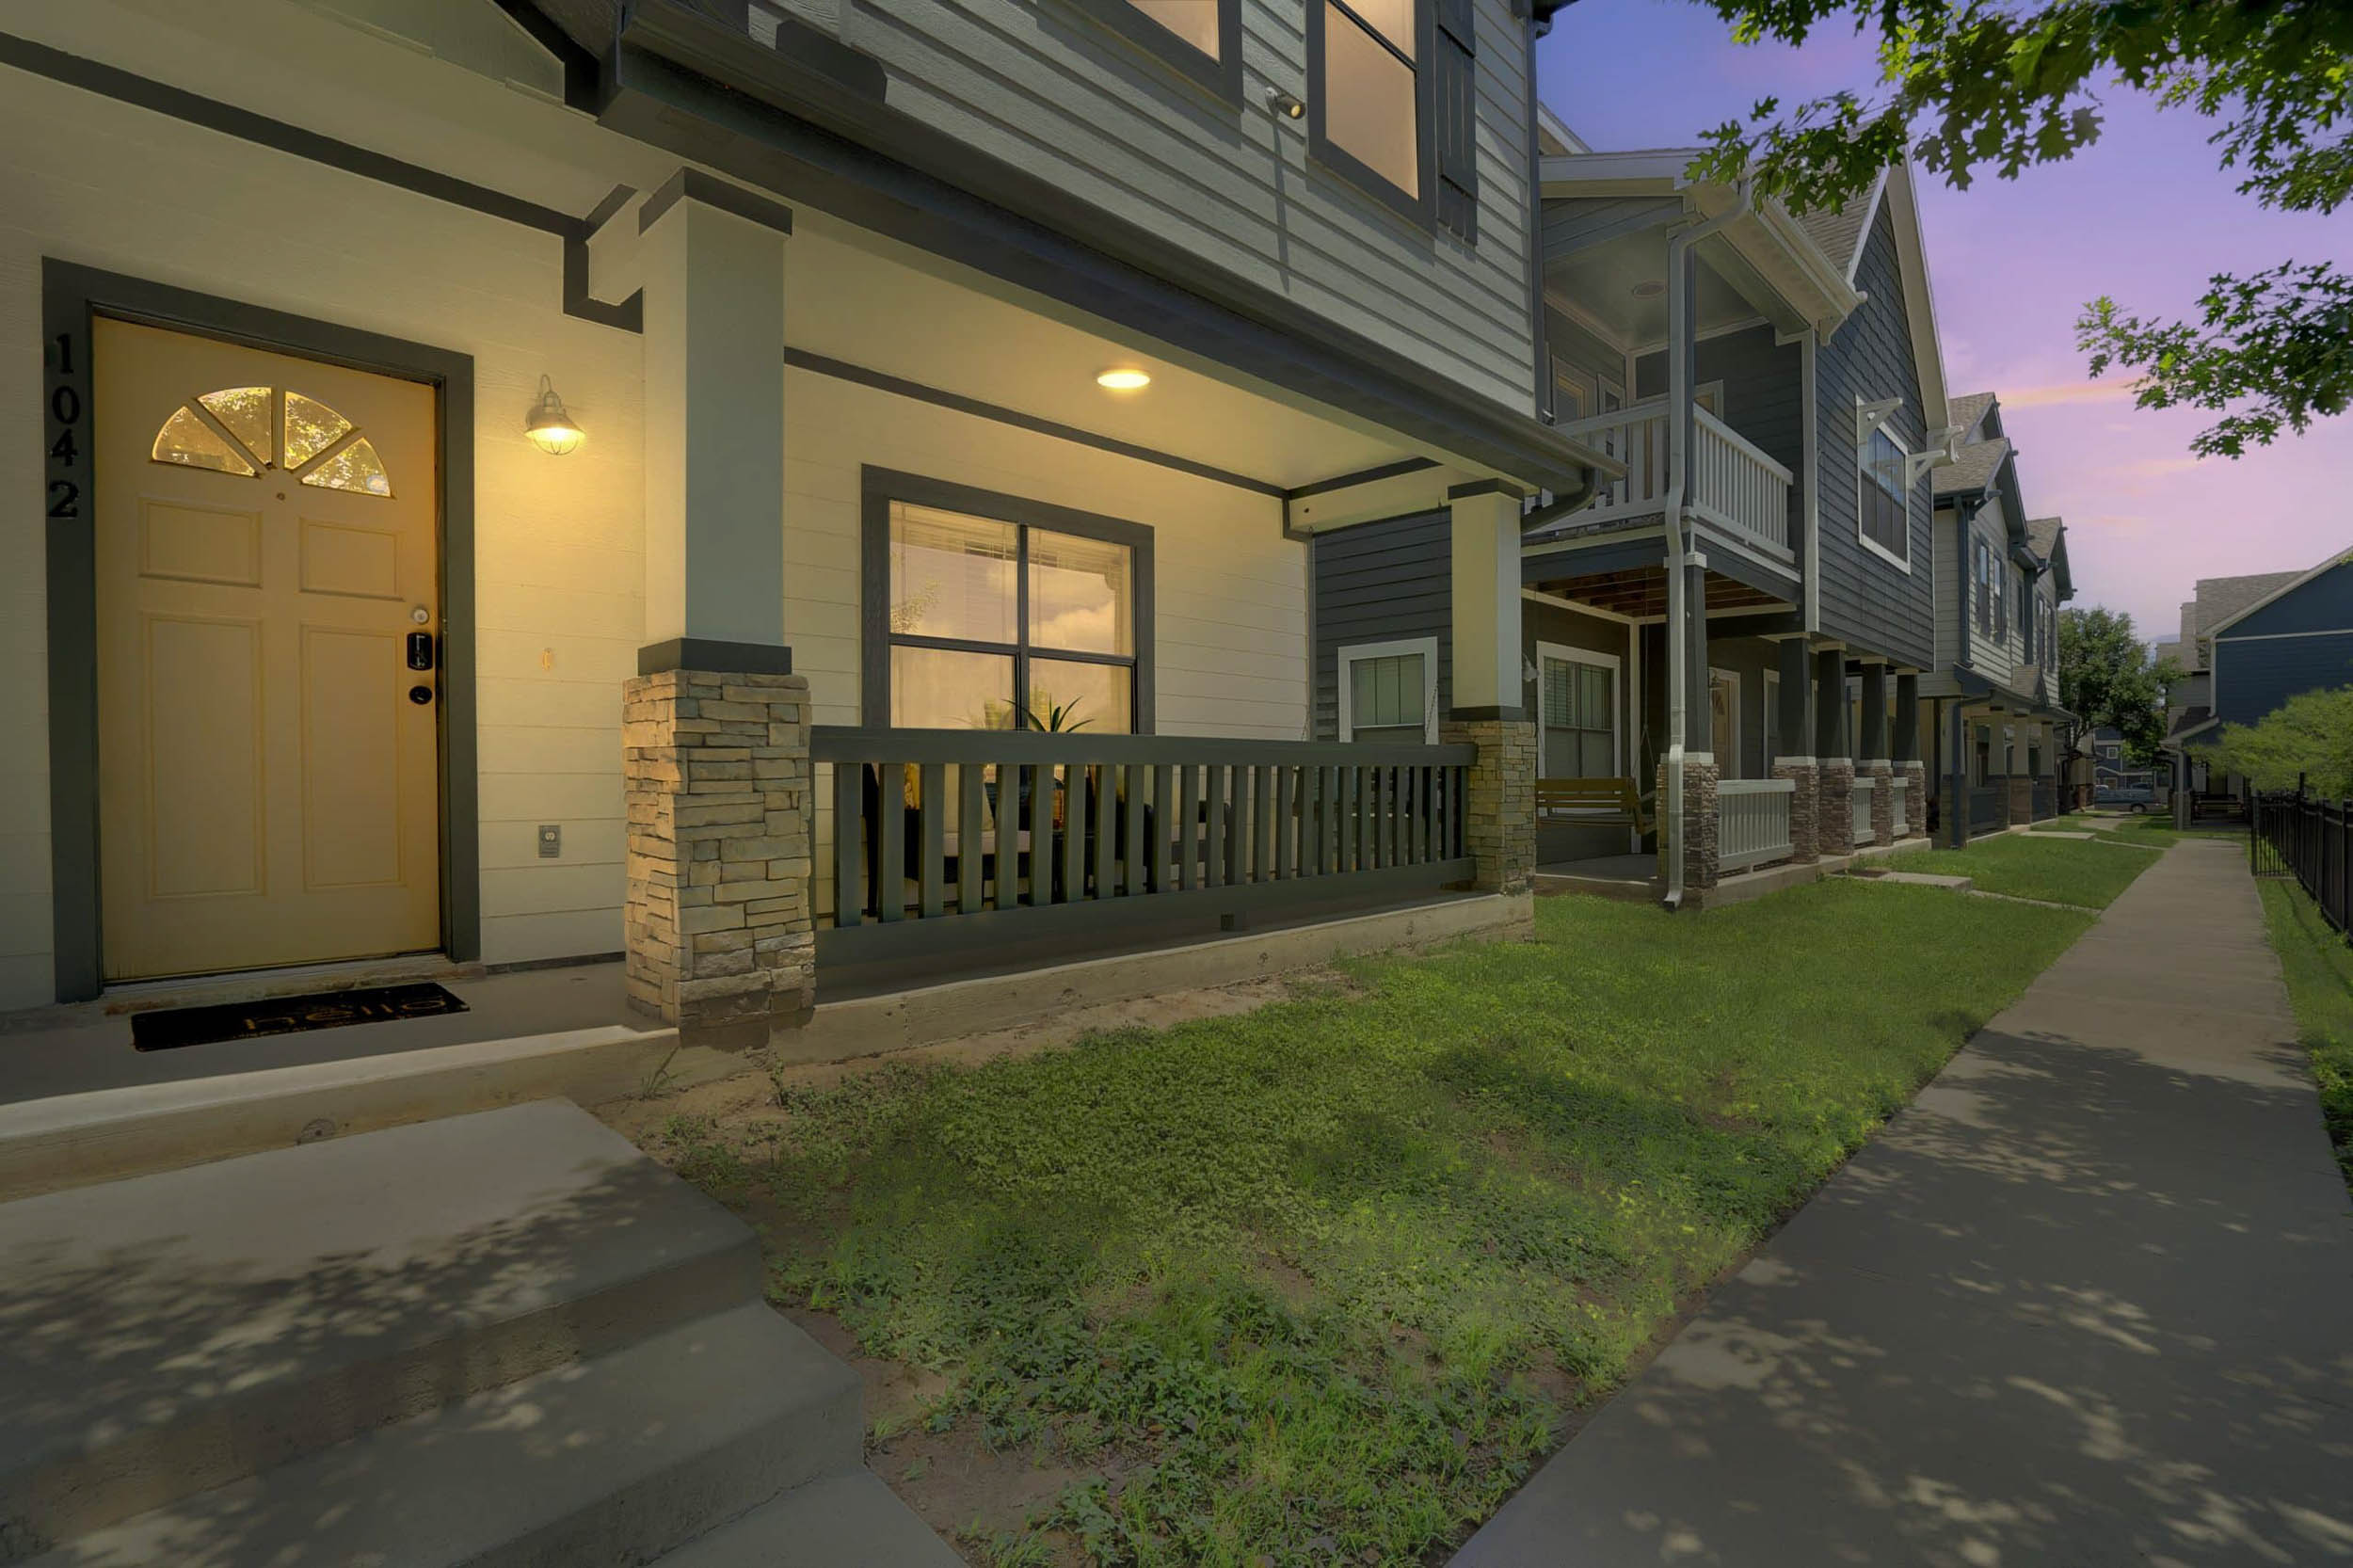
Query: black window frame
[(881, 487), (1220, 75), (1418, 209)]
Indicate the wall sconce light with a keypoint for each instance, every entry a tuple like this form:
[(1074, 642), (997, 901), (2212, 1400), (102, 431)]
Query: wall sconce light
[(1283, 104), (549, 425), (1528, 671)]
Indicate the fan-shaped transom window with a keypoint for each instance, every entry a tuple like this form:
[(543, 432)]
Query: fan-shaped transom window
[(248, 431)]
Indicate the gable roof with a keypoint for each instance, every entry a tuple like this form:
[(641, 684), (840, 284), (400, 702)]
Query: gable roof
[(1837, 232), (1969, 407), (2042, 535), (2244, 599), (2224, 599), (1973, 467)]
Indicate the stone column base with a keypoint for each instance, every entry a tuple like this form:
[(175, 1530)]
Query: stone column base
[(1499, 816), (1916, 799), (1804, 804), (1882, 802), (2021, 801), (717, 773), (1700, 822), (1833, 814)]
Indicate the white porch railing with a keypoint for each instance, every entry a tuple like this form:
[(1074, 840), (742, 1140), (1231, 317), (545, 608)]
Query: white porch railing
[(1863, 809), (1902, 785), (1752, 822), (1734, 486)]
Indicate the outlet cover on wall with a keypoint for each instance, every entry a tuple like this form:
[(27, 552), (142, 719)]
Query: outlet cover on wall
[(550, 840)]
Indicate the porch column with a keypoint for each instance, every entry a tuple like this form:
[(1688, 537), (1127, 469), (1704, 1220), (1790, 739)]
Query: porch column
[(1834, 755), (1907, 753), (1957, 777), (1876, 764), (1696, 833), (716, 727), (1793, 747), (2021, 783), (1500, 815)]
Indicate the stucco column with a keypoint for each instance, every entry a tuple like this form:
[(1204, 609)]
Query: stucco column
[(1793, 746), (715, 769), (1500, 815), (1834, 758)]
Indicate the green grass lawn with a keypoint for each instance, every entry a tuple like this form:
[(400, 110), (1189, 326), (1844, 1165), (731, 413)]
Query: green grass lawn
[(2027, 865), (2318, 963), (1319, 1283)]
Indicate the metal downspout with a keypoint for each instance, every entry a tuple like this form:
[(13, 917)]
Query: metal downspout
[(1679, 369)]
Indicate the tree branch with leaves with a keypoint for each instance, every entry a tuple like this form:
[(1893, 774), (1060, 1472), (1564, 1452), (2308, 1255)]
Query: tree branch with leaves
[(1977, 86)]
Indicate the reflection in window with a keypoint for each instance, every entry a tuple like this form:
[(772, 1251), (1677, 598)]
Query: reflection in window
[(1368, 96), (1885, 503), (228, 431), (961, 655), (1194, 21)]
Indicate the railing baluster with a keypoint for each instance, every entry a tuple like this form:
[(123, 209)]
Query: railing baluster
[(1135, 779), (971, 835), (1164, 816), (1268, 826), (1041, 834), (932, 829), (1286, 834), (849, 843), (891, 844), (1106, 825), (1216, 828), (1074, 834), (1187, 858), (1012, 781)]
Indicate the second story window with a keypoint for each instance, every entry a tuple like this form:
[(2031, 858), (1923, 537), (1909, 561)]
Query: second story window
[(1884, 503), (1984, 573), (1367, 98), (1201, 38)]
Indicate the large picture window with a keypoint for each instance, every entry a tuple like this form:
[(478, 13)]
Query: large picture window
[(999, 614), (1884, 502), (1368, 99)]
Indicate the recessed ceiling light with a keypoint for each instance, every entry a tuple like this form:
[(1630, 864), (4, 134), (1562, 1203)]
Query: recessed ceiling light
[(1123, 379), (1649, 288)]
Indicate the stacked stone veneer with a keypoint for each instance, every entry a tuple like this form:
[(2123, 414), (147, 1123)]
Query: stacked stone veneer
[(1804, 804), (717, 777), (1882, 802), (1916, 799), (2021, 799), (1701, 863), (1499, 817), (1833, 810)]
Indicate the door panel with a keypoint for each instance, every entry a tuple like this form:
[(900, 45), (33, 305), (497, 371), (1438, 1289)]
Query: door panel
[(268, 792)]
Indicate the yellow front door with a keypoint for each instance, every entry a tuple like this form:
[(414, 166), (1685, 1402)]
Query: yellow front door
[(269, 758)]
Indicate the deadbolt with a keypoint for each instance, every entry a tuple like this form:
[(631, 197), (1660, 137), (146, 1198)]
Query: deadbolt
[(420, 695)]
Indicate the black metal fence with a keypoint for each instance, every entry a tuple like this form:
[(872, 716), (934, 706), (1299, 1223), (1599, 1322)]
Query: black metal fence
[(949, 840), (2310, 839)]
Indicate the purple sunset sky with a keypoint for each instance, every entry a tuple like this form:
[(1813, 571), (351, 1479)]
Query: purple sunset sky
[(2144, 215)]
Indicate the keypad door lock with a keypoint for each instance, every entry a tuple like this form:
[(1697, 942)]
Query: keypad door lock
[(420, 650)]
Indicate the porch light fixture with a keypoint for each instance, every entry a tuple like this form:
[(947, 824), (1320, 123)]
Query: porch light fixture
[(1285, 105), (549, 425), (1123, 379)]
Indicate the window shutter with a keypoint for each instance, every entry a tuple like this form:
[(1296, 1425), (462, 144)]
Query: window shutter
[(1455, 92)]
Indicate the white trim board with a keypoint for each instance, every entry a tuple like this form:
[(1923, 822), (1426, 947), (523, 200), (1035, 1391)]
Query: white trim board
[(1426, 647)]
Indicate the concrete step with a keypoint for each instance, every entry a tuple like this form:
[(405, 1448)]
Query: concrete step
[(604, 1463), (175, 1333), (850, 1520)]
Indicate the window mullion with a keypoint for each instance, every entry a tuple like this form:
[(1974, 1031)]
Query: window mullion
[(1021, 626)]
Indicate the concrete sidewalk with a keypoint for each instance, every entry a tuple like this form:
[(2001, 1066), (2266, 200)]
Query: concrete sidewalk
[(2089, 1301)]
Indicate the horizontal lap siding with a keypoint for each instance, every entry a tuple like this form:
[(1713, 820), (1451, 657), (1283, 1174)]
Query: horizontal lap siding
[(1764, 390), (1060, 96), (2323, 604), (1380, 583), (2252, 677), (1991, 654), (1866, 603)]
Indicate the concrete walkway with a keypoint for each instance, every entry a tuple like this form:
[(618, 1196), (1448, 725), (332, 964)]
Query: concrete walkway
[(2089, 1301)]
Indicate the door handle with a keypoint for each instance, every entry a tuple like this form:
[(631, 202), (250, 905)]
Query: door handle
[(420, 650)]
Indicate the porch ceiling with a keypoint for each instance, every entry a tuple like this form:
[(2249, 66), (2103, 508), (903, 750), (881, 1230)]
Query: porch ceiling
[(1640, 592), (858, 297), (1602, 281)]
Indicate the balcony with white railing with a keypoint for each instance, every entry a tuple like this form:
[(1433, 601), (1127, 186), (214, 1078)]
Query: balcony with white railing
[(1900, 784), (1863, 831), (1735, 488)]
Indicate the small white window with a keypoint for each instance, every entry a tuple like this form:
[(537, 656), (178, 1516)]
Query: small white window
[(1389, 692)]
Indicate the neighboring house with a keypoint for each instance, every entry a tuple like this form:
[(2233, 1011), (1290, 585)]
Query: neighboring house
[(2000, 740), (942, 368), (2113, 779), (1795, 361), (2248, 644)]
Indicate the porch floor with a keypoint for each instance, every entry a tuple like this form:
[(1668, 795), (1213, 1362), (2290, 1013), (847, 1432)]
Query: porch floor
[(87, 1048)]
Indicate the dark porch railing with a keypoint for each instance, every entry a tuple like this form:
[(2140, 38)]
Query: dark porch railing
[(2310, 839), (958, 839), (2045, 799), (1989, 806)]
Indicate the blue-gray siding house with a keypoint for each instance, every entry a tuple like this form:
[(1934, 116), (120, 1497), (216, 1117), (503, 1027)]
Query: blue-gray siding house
[(2258, 641)]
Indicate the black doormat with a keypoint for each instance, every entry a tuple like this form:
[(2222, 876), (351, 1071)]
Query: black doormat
[(169, 1027)]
